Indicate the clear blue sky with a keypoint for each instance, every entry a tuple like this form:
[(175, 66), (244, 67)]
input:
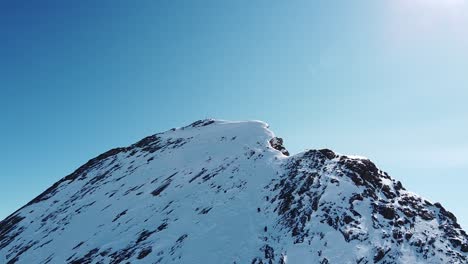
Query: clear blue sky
[(383, 79)]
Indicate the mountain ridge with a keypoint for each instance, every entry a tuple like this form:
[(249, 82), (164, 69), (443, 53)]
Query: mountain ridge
[(187, 181)]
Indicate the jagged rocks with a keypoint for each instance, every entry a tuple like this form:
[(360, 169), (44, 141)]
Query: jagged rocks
[(464, 247), (277, 143), (328, 153), (388, 212)]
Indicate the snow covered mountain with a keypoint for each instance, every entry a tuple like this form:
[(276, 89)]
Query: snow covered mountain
[(228, 192)]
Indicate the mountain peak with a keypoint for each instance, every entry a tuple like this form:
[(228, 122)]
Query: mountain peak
[(219, 191)]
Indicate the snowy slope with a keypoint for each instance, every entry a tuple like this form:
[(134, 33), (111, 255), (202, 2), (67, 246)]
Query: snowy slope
[(227, 192)]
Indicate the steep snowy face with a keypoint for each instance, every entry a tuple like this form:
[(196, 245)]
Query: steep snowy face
[(228, 192)]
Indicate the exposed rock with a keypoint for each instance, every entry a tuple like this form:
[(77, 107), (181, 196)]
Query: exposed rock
[(277, 143)]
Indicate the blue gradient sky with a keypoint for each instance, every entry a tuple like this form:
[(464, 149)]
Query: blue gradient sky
[(383, 79)]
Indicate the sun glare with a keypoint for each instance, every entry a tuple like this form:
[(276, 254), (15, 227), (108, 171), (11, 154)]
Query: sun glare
[(416, 21)]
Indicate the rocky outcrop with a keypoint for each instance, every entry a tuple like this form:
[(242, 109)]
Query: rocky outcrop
[(277, 143)]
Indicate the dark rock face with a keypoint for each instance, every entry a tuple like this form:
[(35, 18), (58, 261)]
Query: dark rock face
[(328, 153), (464, 247), (277, 143), (388, 212)]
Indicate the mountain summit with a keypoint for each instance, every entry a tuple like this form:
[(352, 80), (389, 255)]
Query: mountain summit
[(228, 192)]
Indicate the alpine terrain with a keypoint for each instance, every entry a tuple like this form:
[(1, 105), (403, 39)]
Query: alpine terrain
[(229, 192)]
